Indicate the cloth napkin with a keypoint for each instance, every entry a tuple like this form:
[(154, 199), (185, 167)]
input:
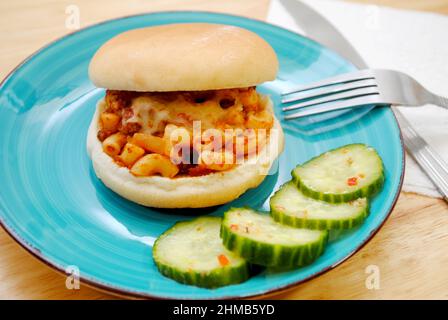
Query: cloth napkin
[(413, 42)]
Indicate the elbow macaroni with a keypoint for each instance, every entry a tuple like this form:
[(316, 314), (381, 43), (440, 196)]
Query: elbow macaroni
[(110, 121), (113, 144), (130, 154), (218, 161), (177, 142), (152, 164), (149, 142)]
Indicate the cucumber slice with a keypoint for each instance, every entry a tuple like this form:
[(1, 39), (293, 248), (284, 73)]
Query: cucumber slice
[(341, 175), (260, 240), (191, 252), (291, 207)]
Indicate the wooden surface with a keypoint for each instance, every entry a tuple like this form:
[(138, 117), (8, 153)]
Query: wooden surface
[(409, 251)]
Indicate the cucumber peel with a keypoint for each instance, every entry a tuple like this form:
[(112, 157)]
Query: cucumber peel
[(191, 252), (341, 175), (260, 240), (291, 207)]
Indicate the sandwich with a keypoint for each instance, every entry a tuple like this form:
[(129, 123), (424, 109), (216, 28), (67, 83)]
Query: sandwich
[(182, 124)]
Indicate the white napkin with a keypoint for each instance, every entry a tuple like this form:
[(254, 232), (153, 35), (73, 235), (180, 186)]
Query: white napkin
[(409, 41)]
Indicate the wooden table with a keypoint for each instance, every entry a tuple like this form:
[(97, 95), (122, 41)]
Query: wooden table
[(410, 250)]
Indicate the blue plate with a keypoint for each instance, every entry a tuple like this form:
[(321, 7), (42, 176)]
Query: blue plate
[(52, 203)]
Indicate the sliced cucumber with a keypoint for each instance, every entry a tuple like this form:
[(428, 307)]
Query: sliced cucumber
[(341, 175), (291, 207), (191, 252), (260, 240)]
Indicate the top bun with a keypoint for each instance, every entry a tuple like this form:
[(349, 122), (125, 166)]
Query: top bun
[(183, 57)]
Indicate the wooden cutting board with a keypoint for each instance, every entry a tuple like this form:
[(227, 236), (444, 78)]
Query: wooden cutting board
[(409, 252)]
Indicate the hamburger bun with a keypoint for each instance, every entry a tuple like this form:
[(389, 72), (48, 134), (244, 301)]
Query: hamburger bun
[(183, 57)]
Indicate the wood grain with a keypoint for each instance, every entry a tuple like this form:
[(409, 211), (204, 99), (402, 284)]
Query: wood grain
[(410, 250)]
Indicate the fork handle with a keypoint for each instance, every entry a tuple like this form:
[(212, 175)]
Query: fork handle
[(439, 101), (426, 157)]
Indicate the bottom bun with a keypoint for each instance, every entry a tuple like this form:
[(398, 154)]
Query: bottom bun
[(184, 192)]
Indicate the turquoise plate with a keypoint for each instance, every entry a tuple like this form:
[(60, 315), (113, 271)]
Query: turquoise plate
[(52, 203)]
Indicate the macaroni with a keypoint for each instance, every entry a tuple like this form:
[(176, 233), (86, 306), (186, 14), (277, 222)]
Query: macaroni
[(112, 145), (130, 154), (110, 121), (218, 161), (152, 164), (149, 142)]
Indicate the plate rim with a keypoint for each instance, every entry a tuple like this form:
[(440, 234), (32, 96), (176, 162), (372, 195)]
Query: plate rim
[(126, 293)]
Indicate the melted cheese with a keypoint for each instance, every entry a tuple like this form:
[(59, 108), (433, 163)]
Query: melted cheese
[(154, 115)]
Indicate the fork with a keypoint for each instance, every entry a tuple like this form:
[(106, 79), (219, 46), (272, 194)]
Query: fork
[(357, 89), (375, 87)]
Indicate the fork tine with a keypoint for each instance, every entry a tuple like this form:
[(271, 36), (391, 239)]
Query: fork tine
[(355, 102), (329, 90), (334, 97), (346, 77)]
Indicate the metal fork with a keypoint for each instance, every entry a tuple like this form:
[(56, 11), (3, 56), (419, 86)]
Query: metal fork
[(356, 89)]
